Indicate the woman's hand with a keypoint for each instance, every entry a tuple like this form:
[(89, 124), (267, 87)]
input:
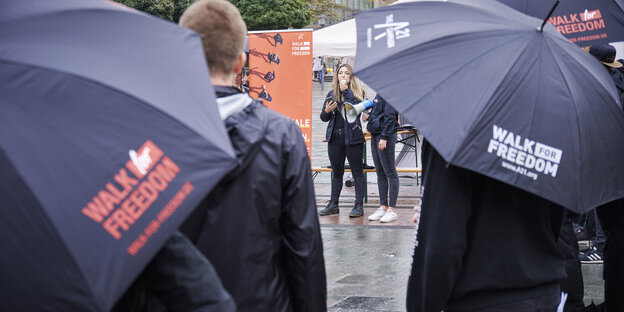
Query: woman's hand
[(343, 85), (330, 106), (382, 144), (364, 117)]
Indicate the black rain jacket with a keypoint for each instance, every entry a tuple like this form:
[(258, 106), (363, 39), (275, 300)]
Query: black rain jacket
[(178, 279), (481, 242), (383, 119), (259, 226), (353, 131)]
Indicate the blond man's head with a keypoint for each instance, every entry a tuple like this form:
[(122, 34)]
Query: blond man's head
[(223, 33)]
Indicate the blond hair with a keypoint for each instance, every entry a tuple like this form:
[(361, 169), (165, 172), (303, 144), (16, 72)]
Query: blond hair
[(222, 29), (354, 85)]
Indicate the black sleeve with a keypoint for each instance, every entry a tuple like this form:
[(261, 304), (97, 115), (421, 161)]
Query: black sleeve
[(302, 244), (326, 116), (441, 237), (390, 121), (184, 280)]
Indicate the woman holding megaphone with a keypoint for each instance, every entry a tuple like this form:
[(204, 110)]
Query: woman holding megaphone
[(344, 139)]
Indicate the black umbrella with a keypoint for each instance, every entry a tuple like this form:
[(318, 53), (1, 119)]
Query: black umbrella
[(109, 137), (494, 94), (584, 22)]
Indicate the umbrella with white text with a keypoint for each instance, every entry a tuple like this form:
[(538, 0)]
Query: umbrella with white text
[(494, 94)]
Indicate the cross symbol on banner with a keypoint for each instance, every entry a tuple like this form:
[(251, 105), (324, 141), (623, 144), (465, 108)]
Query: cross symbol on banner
[(393, 31)]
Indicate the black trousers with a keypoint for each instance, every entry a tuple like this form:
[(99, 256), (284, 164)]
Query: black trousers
[(387, 176), (338, 151), (612, 218), (573, 283)]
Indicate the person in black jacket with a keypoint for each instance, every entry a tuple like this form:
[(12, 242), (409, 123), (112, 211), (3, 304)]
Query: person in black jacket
[(611, 215), (259, 226), (344, 139), (482, 245), (383, 124), (178, 278)]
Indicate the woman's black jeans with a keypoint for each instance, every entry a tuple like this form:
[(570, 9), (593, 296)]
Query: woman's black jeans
[(337, 151), (385, 167)]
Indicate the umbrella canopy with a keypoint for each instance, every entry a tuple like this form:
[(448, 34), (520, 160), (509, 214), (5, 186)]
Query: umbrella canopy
[(495, 95), (338, 39), (109, 137), (584, 22)]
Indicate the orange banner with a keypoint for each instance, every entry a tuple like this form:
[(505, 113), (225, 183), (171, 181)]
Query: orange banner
[(280, 73)]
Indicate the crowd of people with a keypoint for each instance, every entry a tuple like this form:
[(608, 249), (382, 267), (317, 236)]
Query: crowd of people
[(469, 254)]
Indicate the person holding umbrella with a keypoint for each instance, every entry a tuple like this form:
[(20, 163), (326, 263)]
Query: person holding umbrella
[(259, 226), (519, 123), (610, 217), (344, 139), (605, 54), (133, 143), (482, 244)]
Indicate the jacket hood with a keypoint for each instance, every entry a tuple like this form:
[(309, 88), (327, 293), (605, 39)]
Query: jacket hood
[(246, 128)]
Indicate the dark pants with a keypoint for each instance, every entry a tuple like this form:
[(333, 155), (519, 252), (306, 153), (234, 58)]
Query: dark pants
[(337, 151), (612, 220), (599, 240), (385, 167), (573, 283)]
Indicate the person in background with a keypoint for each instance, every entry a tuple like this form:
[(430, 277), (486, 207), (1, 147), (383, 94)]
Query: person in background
[(344, 139), (259, 226), (572, 284), (605, 54), (383, 124), (239, 81), (611, 215)]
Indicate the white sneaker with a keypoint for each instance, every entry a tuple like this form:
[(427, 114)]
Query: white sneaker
[(376, 216), (389, 216)]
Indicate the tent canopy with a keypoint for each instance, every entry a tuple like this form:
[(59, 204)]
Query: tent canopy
[(336, 40)]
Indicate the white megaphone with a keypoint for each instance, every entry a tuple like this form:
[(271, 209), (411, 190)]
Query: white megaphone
[(352, 111)]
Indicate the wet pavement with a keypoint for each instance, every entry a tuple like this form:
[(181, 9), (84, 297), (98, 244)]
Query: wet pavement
[(368, 267), (368, 263)]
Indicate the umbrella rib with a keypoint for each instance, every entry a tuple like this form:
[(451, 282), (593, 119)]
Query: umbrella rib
[(23, 182), (574, 106)]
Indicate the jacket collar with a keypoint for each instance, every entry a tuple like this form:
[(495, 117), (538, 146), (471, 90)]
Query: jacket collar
[(231, 100)]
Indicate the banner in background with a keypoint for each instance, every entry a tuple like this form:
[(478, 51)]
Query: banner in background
[(280, 73), (583, 22)]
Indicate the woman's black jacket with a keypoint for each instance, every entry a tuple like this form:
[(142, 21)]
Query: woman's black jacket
[(353, 131), (382, 120)]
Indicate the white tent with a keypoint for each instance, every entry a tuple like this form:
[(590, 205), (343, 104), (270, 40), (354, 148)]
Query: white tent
[(336, 40), (339, 39)]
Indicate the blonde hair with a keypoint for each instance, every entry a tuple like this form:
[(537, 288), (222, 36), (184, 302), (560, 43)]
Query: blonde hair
[(222, 29), (354, 85)]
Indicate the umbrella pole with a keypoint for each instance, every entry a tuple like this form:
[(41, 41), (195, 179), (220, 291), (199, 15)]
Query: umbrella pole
[(548, 16)]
